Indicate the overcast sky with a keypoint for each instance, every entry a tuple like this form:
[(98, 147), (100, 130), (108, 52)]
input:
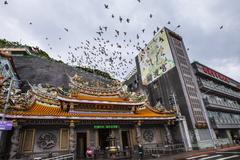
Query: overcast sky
[(200, 22)]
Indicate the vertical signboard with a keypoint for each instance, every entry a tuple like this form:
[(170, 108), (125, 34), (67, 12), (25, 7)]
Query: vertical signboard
[(186, 74), (156, 58)]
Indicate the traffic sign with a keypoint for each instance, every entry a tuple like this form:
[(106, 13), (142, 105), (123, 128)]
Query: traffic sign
[(6, 125)]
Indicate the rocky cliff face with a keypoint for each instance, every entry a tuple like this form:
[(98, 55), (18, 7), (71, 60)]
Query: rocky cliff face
[(38, 70)]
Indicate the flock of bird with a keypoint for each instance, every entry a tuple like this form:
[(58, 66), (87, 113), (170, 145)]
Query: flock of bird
[(109, 54)]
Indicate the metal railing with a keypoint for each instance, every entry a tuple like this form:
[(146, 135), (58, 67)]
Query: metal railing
[(61, 157)]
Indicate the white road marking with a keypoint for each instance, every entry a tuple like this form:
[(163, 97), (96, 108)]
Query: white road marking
[(229, 152), (204, 155), (211, 157), (230, 157)]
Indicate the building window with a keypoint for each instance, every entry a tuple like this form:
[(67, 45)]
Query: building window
[(28, 140), (64, 139)]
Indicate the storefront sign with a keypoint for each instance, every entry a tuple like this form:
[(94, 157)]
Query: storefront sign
[(105, 126), (6, 125), (215, 74)]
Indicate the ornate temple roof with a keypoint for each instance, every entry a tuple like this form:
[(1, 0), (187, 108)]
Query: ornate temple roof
[(41, 111), (85, 100), (98, 91)]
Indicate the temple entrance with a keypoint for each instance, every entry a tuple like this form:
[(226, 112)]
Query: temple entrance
[(103, 135), (81, 145), (125, 139)]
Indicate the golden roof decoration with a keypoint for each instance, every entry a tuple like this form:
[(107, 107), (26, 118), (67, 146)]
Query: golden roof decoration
[(17, 101), (96, 88)]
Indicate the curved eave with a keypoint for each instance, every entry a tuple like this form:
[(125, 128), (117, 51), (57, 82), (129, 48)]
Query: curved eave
[(88, 118), (99, 102)]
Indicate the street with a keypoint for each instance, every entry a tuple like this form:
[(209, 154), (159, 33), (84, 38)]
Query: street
[(218, 155)]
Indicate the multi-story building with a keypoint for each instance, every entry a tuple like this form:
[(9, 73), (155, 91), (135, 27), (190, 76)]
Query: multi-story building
[(221, 97), (165, 74)]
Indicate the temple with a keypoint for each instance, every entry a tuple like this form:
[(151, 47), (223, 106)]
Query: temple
[(55, 121)]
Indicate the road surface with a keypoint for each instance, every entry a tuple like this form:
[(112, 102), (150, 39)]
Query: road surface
[(218, 155)]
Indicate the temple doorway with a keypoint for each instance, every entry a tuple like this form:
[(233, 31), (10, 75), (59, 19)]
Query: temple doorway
[(103, 135), (125, 139), (81, 145)]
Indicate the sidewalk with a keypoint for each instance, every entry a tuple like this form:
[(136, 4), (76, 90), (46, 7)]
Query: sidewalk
[(181, 156)]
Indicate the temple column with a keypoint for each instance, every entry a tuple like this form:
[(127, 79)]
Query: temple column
[(138, 132), (15, 141), (168, 135), (72, 140)]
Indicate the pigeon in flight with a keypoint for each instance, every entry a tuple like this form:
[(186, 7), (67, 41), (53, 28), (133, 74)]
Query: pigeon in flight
[(120, 19), (128, 20), (117, 32), (5, 2), (168, 22), (105, 28), (139, 1), (221, 27), (66, 29), (30, 23), (143, 30), (150, 15), (112, 16), (106, 6)]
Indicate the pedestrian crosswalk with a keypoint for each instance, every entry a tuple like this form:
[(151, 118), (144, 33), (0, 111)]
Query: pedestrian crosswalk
[(229, 157), (195, 157), (213, 157)]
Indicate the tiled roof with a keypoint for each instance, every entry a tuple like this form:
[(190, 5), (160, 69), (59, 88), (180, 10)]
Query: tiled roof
[(40, 110)]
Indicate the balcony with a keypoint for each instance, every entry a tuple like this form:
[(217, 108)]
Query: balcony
[(211, 86), (220, 104), (224, 123)]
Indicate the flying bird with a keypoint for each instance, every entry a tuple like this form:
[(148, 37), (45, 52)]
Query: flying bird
[(128, 20), (105, 28), (139, 1), (117, 32), (66, 29), (143, 30), (168, 22), (137, 36), (112, 16), (30, 23), (120, 19), (5, 2), (150, 15), (221, 27), (106, 6), (99, 33)]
